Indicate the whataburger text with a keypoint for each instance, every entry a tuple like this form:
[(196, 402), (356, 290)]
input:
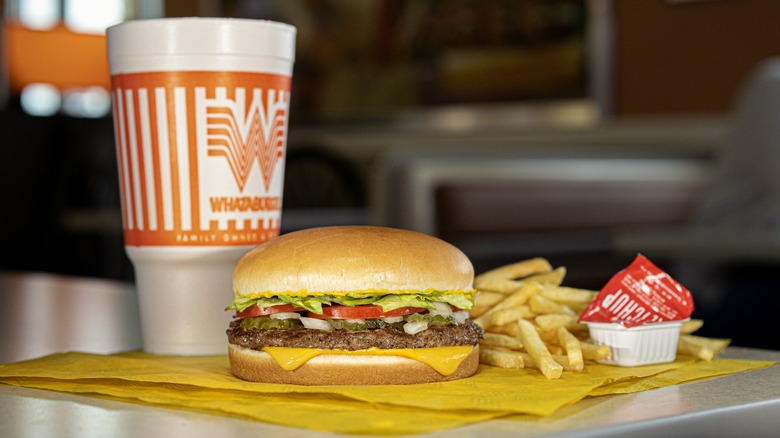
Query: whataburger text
[(222, 204)]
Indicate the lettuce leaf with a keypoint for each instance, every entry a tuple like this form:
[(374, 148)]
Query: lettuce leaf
[(392, 302), (355, 300), (387, 302), (242, 303), (460, 301), (312, 304)]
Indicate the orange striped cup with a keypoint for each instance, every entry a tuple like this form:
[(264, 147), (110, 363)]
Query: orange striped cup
[(200, 110)]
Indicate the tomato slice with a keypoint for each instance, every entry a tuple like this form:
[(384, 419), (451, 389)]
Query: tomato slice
[(257, 311), (369, 311)]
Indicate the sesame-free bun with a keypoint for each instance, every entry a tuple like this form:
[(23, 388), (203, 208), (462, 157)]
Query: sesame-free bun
[(332, 369), (352, 258)]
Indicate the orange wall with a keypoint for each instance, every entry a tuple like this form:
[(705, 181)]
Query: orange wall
[(57, 56)]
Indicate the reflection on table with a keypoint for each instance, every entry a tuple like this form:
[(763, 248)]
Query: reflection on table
[(42, 314)]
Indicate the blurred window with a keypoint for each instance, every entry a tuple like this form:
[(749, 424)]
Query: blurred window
[(39, 14), (93, 16), (55, 50), (91, 102), (40, 99)]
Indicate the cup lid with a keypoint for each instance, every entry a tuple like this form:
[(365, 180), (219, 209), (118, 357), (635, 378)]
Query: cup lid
[(201, 36)]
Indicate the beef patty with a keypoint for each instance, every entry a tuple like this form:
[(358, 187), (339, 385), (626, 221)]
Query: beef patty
[(385, 338)]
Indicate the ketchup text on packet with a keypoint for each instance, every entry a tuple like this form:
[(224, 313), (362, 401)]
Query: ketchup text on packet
[(624, 308)]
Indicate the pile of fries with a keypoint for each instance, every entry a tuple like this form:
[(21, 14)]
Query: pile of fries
[(530, 321)]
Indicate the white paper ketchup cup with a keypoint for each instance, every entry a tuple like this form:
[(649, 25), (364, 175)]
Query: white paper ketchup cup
[(200, 110), (634, 346)]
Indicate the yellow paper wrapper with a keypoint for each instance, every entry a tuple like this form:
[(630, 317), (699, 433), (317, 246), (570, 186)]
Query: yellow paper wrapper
[(206, 384)]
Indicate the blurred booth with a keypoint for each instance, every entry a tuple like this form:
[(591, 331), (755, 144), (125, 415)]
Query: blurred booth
[(506, 201)]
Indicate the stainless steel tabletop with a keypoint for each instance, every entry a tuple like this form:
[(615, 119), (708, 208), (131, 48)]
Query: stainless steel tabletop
[(42, 314)]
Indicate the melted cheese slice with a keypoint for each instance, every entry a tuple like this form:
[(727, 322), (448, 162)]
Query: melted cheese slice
[(445, 360)]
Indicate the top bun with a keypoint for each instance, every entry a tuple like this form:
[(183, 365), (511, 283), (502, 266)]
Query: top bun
[(352, 258)]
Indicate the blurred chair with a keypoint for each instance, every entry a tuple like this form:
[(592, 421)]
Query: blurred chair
[(746, 184)]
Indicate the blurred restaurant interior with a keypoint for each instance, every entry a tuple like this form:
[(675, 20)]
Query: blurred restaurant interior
[(582, 131)]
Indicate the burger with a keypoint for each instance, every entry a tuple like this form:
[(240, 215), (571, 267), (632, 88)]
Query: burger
[(353, 305)]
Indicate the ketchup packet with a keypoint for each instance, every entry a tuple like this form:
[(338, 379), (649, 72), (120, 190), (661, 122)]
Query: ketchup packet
[(640, 294)]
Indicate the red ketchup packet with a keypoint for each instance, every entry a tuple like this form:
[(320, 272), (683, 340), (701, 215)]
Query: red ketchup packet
[(640, 294)]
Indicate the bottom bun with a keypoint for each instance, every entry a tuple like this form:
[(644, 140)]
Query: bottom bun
[(334, 369)]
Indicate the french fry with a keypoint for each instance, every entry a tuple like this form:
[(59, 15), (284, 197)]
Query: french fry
[(504, 316), (552, 321), (497, 284), (518, 270), (560, 359), (538, 351), (501, 340), (517, 298), (484, 301), (552, 278), (569, 295), (571, 345), (595, 352), (691, 326), (550, 337), (509, 329), (702, 348), (501, 358), (542, 304), (554, 349)]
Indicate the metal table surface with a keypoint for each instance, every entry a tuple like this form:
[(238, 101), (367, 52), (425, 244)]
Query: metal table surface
[(42, 314)]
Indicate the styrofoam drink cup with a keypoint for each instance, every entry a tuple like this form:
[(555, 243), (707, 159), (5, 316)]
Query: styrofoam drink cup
[(200, 110)]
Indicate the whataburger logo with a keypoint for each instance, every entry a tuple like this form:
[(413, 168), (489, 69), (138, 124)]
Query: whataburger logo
[(245, 135), (177, 133)]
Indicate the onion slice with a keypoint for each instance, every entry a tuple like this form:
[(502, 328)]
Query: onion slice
[(442, 309), (286, 315), (393, 319), (316, 324), (355, 321), (461, 317), (415, 327)]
